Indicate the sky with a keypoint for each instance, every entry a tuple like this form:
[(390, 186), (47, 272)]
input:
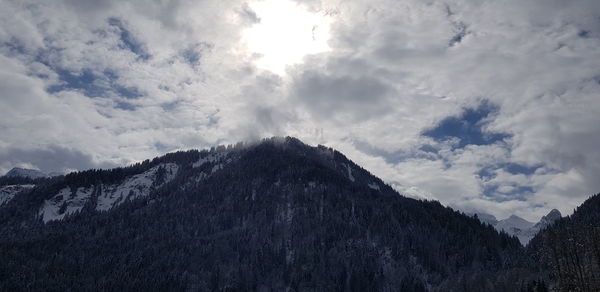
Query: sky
[(487, 106)]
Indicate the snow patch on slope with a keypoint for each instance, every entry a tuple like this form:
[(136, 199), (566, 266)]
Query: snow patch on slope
[(64, 203), (8, 192), (139, 185), (211, 163), (374, 186), (349, 169), (211, 158), (216, 168), (67, 201)]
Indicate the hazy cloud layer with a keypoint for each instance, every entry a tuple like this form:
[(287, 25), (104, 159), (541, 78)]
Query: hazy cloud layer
[(490, 106)]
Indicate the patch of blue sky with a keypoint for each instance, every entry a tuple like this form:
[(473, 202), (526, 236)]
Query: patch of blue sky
[(93, 84), (125, 106), (461, 32), (489, 172), (128, 41), (468, 127), (519, 193), (12, 48), (516, 168), (191, 56)]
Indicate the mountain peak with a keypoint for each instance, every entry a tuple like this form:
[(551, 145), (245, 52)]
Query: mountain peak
[(548, 219), (516, 226), (525, 230), (25, 172), (554, 214), (290, 203)]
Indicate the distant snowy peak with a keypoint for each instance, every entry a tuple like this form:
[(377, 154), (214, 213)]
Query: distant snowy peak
[(24, 172), (516, 226), (519, 227), (513, 223)]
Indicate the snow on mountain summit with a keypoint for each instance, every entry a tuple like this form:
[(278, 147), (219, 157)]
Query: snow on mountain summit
[(519, 227), (512, 223), (25, 172)]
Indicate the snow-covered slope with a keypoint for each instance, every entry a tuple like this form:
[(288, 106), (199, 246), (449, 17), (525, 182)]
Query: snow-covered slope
[(70, 201), (7, 193), (24, 172), (516, 226), (135, 186), (513, 222), (64, 203)]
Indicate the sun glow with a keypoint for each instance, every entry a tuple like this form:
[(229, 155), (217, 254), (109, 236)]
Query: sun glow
[(285, 34)]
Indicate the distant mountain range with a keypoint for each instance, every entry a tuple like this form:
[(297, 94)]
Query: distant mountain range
[(276, 215), (519, 227)]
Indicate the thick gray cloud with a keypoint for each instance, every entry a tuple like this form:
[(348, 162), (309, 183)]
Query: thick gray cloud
[(488, 105), (350, 98)]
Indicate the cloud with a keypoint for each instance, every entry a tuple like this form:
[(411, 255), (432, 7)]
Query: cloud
[(528, 61), (349, 98), (488, 106)]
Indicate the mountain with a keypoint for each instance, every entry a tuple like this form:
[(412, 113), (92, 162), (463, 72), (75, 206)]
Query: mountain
[(269, 216), (569, 249), (519, 227), (24, 172), (515, 226), (17, 181), (544, 223)]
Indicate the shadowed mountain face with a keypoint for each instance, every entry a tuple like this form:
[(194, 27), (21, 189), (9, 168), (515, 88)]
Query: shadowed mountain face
[(270, 216), (570, 248)]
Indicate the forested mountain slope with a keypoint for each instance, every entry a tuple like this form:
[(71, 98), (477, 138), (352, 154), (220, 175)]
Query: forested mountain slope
[(570, 249), (272, 216)]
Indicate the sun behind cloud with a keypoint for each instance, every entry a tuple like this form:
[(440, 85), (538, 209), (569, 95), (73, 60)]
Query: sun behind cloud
[(285, 33)]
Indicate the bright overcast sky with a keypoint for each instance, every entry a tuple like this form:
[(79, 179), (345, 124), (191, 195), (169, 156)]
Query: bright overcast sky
[(484, 105)]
